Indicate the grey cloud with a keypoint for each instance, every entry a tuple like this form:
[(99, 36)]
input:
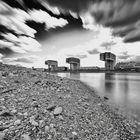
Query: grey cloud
[(78, 55), (136, 58), (27, 60), (124, 56), (108, 45), (93, 52)]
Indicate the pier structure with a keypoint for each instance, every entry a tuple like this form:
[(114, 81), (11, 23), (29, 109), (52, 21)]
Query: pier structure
[(110, 60), (74, 63), (52, 65)]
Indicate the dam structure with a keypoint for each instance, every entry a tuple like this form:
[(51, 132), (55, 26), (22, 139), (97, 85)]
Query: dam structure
[(110, 60), (74, 63), (52, 65)]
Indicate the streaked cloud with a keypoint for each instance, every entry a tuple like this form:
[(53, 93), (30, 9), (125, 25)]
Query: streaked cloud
[(18, 60), (44, 17)]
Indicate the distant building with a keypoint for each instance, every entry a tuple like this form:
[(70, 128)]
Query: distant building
[(52, 65), (110, 60), (62, 68), (74, 63), (129, 66), (89, 68)]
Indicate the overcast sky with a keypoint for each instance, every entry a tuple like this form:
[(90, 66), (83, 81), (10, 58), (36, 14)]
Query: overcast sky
[(32, 31)]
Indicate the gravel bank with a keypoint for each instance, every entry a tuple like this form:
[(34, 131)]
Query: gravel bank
[(38, 106)]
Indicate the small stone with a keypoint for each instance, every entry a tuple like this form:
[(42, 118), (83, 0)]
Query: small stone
[(41, 123), (34, 104), (46, 129), (106, 98), (6, 114), (51, 125), (51, 107), (14, 111), (11, 74), (25, 114), (17, 122), (61, 118), (2, 135), (57, 111), (25, 137), (2, 99), (1, 122), (33, 122), (74, 133), (5, 130)]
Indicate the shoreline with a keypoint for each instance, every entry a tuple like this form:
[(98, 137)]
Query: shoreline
[(43, 106)]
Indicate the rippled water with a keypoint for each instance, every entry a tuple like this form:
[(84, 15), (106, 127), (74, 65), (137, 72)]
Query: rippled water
[(122, 89)]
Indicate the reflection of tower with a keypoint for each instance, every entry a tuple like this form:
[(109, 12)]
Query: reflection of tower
[(110, 60), (109, 84), (75, 75), (74, 63), (52, 65)]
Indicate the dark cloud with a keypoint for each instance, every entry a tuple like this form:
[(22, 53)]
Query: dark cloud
[(111, 13), (4, 29), (6, 51), (42, 33), (15, 3), (121, 15), (39, 27), (73, 5), (93, 52)]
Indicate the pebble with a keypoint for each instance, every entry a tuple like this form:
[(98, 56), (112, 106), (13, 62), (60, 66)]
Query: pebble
[(14, 111), (34, 104), (41, 123), (57, 111), (46, 129), (25, 114), (17, 122), (25, 137), (6, 114), (74, 133), (2, 135), (33, 122), (51, 107)]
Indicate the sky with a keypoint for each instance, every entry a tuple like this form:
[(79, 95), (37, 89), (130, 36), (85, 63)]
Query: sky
[(32, 31)]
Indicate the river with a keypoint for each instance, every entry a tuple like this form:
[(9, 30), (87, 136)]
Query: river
[(122, 89)]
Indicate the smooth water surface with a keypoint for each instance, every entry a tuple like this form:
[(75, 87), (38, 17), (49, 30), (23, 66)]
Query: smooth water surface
[(122, 89)]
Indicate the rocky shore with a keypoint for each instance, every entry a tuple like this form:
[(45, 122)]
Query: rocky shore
[(37, 106)]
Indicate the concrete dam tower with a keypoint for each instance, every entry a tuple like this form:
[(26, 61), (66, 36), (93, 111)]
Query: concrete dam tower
[(74, 63), (52, 65), (110, 60)]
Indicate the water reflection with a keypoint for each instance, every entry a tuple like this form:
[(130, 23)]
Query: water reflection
[(109, 85), (122, 89), (75, 75)]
